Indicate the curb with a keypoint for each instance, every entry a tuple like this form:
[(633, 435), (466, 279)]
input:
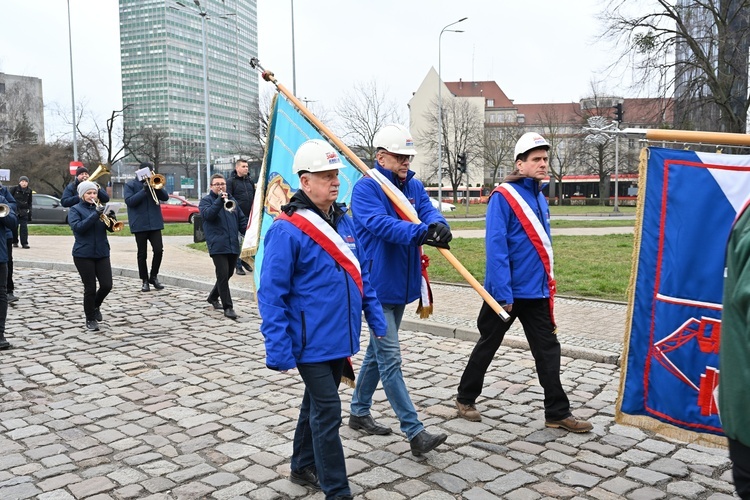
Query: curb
[(460, 333)]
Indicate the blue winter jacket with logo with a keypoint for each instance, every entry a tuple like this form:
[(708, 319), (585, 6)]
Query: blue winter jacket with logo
[(391, 244), (311, 307), (513, 266)]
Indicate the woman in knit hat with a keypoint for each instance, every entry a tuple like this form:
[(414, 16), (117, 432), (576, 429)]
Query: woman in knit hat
[(91, 251)]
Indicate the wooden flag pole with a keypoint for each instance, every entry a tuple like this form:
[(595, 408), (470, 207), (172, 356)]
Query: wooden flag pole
[(359, 164), (691, 136)]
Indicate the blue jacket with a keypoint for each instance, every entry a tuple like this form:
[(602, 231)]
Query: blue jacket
[(11, 202), (143, 213), (9, 222), (392, 245), (70, 195), (311, 307), (513, 266), (89, 231), (221, 227)]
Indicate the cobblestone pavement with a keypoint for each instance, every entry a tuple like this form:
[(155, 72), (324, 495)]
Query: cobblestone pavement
[(172, 400)]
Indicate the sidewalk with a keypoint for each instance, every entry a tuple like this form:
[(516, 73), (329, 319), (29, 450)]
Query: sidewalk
[(170, 400)]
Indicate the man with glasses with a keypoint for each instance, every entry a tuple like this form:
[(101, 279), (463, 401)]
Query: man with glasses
[(393, 253), (220, 226)]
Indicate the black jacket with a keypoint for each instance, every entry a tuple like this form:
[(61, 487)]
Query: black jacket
[(23, 199), (242, 189)]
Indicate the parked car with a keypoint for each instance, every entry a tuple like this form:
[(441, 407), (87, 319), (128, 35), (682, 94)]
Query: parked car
[(46, 209), (178, 209), (447, 207)]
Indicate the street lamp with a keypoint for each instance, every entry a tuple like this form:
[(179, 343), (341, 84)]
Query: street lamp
[(72, 92), (440, 109), (202, 12)]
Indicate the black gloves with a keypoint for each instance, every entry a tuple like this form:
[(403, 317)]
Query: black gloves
[(438, 235), (111, 214), (100, 209)]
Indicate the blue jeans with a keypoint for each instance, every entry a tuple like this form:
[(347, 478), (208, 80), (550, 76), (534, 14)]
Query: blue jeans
[(316, 439), (383, 362)]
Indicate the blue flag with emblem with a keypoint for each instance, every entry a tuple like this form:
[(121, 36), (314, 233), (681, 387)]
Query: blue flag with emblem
[(287, 130), (687, 203)]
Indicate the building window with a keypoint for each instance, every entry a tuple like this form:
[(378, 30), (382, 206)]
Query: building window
[(490, 103)]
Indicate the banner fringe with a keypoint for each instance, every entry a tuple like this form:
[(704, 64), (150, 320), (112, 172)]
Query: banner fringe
[(670, 431), (424, 311)]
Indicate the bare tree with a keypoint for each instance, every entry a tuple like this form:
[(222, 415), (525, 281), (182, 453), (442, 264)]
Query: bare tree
[(362, 113), (150, 144), (698, 48), (497, 149), (46, 165), (463, 131)]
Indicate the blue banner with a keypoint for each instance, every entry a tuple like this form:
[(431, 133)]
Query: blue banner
[(277, 183), (687, 203)]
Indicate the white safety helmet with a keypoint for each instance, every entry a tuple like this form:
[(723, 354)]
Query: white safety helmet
[(395, 139), (316, 155), (529, 141)]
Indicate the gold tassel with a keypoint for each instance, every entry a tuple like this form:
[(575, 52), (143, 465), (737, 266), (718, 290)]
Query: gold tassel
[(424, 312), (347, 381)]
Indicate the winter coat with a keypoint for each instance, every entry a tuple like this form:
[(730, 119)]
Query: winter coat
[(311, 307), (89, 231), (513, 267), (391, 244), (9, 222), (143, 213), (221, 227), (23, 200), (242, 189), (70, 195)]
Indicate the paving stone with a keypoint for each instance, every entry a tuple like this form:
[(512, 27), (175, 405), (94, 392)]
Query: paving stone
[(91, 487)]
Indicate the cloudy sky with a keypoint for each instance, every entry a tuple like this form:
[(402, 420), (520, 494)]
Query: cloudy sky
[(541, 51)]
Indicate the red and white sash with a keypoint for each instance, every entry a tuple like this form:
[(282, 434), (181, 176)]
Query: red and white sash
[(324, 235), (425, 300), (536, 234)]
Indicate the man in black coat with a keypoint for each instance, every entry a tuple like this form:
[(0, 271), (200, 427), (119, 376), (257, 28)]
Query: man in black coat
[(22, 194), (242, 188)]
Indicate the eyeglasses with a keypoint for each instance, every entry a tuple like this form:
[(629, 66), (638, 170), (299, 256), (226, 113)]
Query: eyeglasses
[(219, 184), (400, 158)]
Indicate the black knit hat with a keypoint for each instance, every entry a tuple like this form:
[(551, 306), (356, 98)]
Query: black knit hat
[(23, 178), (81, 170)]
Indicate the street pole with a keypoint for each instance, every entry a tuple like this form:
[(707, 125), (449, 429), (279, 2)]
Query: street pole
[(72, 92), (294, 64), (440, 109), (205, 99), (617, 164)]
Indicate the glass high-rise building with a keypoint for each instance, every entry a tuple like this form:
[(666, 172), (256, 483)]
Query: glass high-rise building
[(161, 48)]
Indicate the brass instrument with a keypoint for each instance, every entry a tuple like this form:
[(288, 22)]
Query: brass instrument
[(229, 205), (154, 183), (100, 170), (113, 225), (4, 210)]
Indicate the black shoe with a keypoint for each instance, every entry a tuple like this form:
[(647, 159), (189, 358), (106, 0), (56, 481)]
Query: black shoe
[(246, 266), (367, 423), (229, 313), (145, 287), (155, 282), (4, 344), (11, 298), (15, 245), (214, 303), (92, 325), (305, 477), (239, 271), (26, 246), (424, 442), (97, 314)]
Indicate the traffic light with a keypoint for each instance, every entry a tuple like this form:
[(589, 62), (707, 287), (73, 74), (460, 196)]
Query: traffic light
[(618, 112), (461, 162)]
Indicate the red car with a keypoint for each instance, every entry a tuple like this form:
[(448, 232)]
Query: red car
[(178, 209)]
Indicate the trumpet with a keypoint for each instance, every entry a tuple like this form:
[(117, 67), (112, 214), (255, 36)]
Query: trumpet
[(4, 210), (229, 205), (100, 170), (113, 225), (155, 182)]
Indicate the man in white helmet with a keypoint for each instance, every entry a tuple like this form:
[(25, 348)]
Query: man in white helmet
[(392, 246), (519, 275), (312, 292)]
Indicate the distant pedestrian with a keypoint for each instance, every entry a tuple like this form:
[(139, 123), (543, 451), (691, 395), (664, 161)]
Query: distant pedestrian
[(734, 352), (242, 188), (22, 193), (8, 222), (146, 223), (312, 292), (519, 276), (91, 251), (70, 194), (221, 225)]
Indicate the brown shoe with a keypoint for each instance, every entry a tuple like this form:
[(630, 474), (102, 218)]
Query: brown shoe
[(571, 424), (468, 412)]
